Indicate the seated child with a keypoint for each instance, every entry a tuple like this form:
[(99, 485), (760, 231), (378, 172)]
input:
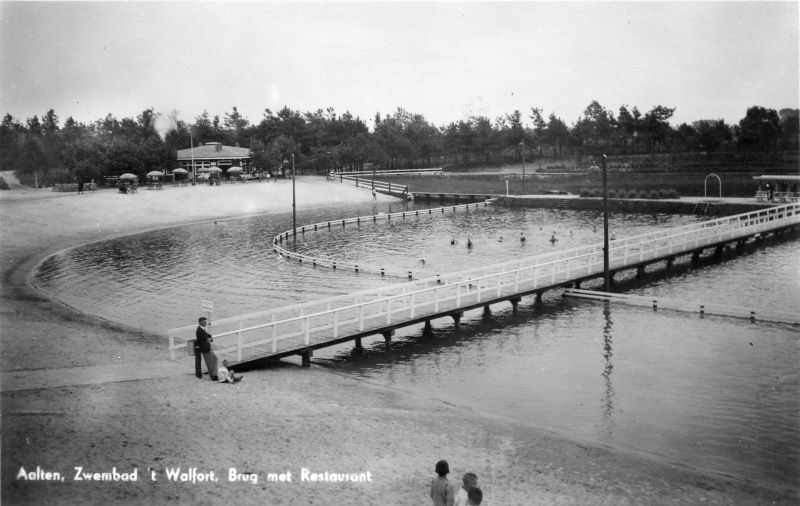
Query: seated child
[(227, 376)]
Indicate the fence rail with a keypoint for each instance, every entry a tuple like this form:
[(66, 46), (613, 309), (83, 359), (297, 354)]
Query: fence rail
[(292, 329), (368, 182), (277, 241)]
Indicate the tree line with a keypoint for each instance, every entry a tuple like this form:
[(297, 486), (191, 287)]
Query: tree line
[(43, 151)]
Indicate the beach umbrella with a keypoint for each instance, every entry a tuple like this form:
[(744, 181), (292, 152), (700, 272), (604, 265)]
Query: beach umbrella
[(128, 175), (154, 173), (214, 169), (204, 169), (179, 171), (235, 169)]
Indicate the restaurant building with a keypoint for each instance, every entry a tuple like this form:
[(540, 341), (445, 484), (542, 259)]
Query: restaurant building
[(214, 153)]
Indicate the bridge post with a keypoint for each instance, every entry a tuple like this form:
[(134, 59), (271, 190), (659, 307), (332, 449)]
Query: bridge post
[(428, 329), (457, 319), (719, 252), (387, 336), (538, 299), (358, 347), (670, 262), (696, 256), (306, 358), (514, 303), (640, 271), (487, 311)]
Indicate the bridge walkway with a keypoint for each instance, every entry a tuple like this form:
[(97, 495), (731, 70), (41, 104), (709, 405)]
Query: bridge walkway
[(302, 328)]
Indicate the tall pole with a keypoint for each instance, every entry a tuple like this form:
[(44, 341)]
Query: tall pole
[(523, 165), (606, 273), (294, 203), (191, 144)]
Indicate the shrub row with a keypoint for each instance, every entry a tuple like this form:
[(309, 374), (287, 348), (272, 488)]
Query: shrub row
[(631, 194), (73, 187)]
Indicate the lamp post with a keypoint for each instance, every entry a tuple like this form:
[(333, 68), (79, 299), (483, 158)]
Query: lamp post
[(294, 201), (522, 143), (606, 274)]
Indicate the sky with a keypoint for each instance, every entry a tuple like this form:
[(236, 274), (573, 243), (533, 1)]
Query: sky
[(444, 60)]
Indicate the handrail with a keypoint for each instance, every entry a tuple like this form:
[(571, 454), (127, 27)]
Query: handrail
[(452, 291), (374, 184)]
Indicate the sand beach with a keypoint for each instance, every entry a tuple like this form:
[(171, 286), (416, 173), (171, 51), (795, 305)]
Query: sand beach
[(92, 412)]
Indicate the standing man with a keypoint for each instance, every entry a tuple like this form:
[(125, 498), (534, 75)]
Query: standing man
[(202, 345)]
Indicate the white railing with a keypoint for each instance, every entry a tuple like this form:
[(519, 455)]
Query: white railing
[(299, 326), (277, 241), (368, 182)]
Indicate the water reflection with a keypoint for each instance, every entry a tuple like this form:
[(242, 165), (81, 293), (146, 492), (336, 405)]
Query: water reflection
[(608, 366)]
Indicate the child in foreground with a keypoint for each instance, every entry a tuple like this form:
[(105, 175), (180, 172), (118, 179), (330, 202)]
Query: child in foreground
[(470, 480), (441, 491)]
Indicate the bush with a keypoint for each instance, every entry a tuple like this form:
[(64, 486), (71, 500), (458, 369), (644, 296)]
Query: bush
[(653, 194), (612, 194), (585, 192), (3, 184), (641, 194)]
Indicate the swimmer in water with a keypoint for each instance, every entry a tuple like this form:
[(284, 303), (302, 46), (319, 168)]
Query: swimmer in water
[(522, 237), (469, 243), (422, 261), (553, 239), (452, 241)]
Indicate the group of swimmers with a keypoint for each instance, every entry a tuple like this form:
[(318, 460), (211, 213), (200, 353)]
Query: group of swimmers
[(522, 239)]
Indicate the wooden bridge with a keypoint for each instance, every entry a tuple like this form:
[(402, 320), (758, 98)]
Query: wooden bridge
[(302, 328)]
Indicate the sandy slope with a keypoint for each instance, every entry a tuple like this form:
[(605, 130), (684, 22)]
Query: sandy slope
[(279, 419)]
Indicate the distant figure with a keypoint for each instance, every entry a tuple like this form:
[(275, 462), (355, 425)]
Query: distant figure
[(594, 227), (470, 481), (553, 239), (122, 187), (452, 241), (613, 236), (469, 243), (522, 237), (422, 261), (441, 491), (225, 375), (500, 239), (80, 185)]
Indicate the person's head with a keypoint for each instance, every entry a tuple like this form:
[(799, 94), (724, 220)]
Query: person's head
[(442, 468), (225, 363), (474, 496), (202, 321), (470, 480)]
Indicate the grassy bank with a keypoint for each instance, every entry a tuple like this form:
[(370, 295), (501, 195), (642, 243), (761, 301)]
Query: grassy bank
[(688, 184)]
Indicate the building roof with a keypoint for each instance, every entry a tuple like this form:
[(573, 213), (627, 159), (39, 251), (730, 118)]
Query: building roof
[(793, 178), (213, 151)]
